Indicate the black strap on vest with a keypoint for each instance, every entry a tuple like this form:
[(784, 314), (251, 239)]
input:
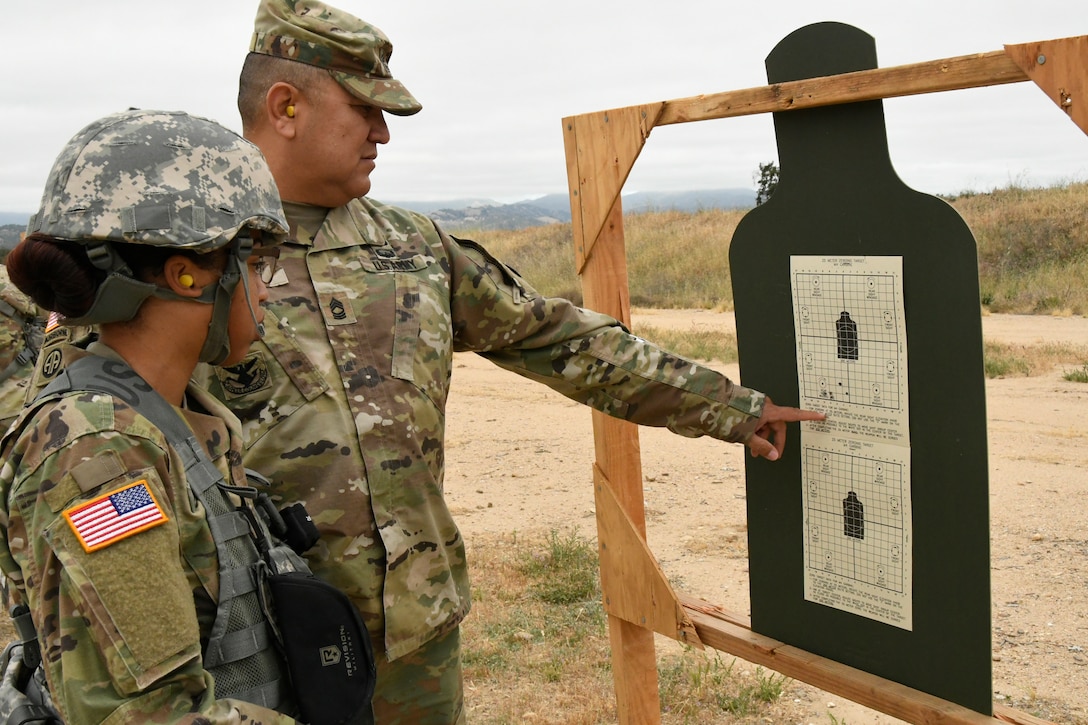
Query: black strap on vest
[(241, 653)]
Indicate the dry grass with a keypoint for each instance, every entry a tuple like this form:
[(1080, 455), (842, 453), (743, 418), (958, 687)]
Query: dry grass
[(675, 259), (693, 344), (1032, 249), (536, 646), (1004, 360), (536, 649)]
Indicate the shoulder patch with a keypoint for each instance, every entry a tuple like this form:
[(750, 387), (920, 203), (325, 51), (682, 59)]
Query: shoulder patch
[(246, 377), (51, 364), (114, 516)]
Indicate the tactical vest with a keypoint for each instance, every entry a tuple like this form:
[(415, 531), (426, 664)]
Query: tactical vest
[(241, 652)]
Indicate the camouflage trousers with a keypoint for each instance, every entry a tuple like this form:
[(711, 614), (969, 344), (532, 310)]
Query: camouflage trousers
[(423, 687)]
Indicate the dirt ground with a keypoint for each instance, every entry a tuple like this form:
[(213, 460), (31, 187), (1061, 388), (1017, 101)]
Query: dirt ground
[(519, 458)]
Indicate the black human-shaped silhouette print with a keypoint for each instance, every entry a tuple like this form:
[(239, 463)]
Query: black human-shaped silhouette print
[(853, 516), (846, 333)]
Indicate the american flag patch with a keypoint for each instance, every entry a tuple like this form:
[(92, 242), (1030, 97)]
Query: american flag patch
[(115, 516), (54, 321)]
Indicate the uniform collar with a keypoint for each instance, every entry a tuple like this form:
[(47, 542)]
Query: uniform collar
[(304, 220)]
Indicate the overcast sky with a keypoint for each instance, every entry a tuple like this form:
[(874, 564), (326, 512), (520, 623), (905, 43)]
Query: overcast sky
[(497, 76)]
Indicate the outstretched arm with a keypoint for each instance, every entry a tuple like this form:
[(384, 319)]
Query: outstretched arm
[(769, 439)]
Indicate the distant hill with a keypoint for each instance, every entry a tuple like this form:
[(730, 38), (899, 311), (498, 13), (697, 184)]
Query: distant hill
[(9, 235), (429, 207), (555, 208), (518, 215), (690, 200)]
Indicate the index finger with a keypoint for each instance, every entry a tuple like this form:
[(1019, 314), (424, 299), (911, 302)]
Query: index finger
[(792, 415), (796, 414)]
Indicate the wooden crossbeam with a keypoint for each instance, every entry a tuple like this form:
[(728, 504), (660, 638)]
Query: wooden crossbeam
[(729, 632), (635, 589), (949, 74)]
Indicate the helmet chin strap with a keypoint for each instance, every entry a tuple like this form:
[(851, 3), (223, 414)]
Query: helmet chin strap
[(216, 347), (120, 295), (249, 303)]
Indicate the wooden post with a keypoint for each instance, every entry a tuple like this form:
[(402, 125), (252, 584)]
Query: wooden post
[(634, 661), (602, 262)]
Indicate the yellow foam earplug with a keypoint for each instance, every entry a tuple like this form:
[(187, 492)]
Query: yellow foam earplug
[(186, 280), (290, 111)]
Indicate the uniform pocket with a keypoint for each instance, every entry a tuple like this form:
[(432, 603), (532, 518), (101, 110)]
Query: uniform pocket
[(390, 319), (423, 337)]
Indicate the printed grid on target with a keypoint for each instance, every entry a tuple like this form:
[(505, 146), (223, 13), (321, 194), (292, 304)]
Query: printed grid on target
[(848, 339), (854, 518)]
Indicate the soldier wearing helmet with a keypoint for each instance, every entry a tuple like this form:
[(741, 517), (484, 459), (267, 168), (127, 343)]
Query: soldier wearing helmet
[(156, 227)]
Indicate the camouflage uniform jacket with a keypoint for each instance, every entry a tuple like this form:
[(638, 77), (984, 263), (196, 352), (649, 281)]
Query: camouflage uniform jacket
[(343, 403), (120, 626)]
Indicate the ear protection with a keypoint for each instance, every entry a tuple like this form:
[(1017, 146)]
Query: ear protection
[(186, 280), (290, 111)]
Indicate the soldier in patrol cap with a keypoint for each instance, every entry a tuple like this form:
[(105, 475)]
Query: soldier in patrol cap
[(343, 402), (156, 227)]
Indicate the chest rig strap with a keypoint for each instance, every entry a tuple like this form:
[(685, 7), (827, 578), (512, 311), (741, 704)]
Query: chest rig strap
[(241, 652)]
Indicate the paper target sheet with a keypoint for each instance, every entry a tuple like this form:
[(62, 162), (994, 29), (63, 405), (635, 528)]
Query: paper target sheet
[(855, 466)]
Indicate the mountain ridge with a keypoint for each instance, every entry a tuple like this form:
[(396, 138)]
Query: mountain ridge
[(555, 208)]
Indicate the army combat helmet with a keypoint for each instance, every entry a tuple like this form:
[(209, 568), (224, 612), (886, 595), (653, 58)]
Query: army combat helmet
[(165, 179)]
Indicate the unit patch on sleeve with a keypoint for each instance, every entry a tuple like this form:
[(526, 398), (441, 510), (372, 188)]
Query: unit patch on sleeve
[(114, 516)]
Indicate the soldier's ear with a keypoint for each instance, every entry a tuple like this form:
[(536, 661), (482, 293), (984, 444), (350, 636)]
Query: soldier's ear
[(283, 105), (183, 277)]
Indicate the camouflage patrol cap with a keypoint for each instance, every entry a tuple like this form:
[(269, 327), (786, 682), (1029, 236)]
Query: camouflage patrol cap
[(163, 178), (354, 52)]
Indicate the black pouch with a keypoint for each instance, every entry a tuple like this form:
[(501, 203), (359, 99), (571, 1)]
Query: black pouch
[(328, 650)]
